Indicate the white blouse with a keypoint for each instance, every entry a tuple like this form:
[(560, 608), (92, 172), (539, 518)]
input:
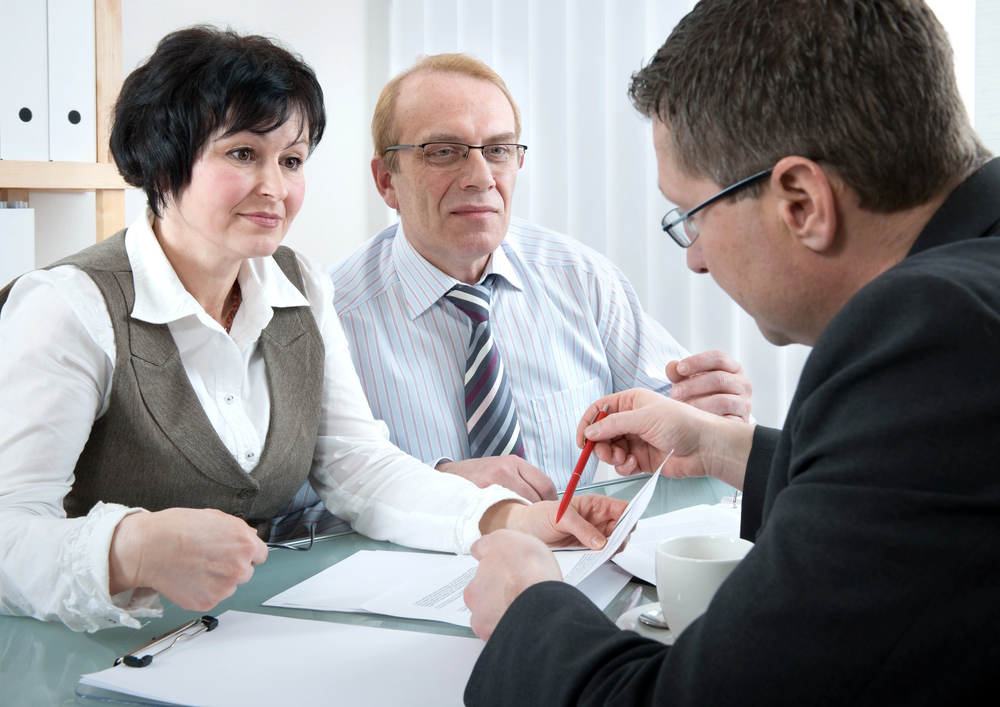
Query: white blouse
[(57, 359)]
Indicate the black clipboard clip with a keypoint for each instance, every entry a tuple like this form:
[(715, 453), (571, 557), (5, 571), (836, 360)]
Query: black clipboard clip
[(132, 660)]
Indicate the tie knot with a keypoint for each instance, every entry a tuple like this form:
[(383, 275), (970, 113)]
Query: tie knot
[(473, 300)]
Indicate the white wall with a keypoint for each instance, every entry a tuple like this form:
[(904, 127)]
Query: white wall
[(987, 86)]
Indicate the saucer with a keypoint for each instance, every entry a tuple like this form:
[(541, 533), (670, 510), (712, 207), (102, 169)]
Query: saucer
[(629, 621)]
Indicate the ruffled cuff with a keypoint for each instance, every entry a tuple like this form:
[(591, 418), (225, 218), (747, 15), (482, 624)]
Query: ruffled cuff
[(85, 566), (467, 527)]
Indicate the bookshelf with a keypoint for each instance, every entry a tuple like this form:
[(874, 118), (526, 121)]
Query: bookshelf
[(18, 178)]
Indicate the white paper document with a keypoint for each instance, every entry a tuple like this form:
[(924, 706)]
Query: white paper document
[(639, 556), (347, 585), (423, 586), (253, 659)]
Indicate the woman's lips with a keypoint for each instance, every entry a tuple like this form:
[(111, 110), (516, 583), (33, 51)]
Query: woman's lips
[(264, 219)]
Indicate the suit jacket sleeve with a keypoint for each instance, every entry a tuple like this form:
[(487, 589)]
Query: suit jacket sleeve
[(765, 441)]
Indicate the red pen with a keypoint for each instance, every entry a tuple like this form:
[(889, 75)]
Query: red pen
[(588, 449)]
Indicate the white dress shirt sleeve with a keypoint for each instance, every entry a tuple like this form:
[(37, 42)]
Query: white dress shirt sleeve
[(637, 346), (56, 364), (362, 477)]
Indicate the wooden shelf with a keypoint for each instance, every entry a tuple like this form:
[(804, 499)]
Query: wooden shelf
[(60, 176), (18, 178)]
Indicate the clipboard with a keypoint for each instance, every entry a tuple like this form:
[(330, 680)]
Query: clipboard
[(248, 662), (140, 657)]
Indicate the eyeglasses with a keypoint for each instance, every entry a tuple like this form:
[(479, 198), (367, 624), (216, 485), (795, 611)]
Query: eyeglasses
[(685, 236), (298, 544), (447, 156)]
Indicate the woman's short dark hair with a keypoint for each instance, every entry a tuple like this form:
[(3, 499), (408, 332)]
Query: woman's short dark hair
[(867, 87), (198, 81)]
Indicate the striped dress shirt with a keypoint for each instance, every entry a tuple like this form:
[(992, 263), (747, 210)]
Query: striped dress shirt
[(568, 325)]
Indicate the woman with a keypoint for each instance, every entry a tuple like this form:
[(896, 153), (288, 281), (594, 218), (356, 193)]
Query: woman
[(164, 393)]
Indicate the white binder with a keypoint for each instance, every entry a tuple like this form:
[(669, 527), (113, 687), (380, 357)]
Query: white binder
[(17, 243), (24, 98), (72, 81)]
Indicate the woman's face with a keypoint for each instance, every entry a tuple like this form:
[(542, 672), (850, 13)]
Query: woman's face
[(244, 192)]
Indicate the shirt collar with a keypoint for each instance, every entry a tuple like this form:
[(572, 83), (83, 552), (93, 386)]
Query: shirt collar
[(160, 297), (424, 284)]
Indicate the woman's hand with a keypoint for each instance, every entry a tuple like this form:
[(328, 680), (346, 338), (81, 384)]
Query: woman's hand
[(588, 520), (193, 557)]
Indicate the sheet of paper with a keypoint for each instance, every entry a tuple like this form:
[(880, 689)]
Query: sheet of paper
[(589, 561), (253, 659), (371, 581), (639, 556), (347, 585), (604, 583), (436, 595)]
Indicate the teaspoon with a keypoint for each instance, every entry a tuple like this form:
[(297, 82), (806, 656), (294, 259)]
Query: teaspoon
[(653, 618)]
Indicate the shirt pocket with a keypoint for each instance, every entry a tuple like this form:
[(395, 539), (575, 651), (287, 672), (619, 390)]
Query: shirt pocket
[(556, 417)]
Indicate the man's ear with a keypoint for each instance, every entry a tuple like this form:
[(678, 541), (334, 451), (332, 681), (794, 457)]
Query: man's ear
[(806, 202), (383, 182)]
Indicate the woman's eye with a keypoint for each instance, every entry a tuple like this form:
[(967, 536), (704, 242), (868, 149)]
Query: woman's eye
[(293, 163), (243, 154)]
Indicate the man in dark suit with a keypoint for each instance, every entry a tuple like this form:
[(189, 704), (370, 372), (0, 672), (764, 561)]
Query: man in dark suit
[(865, 221)]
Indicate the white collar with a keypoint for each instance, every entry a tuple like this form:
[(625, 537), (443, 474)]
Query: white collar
[(424, 284), (161, 298)]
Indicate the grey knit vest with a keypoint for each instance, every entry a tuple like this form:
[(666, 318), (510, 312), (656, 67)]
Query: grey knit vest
[(155, 447)]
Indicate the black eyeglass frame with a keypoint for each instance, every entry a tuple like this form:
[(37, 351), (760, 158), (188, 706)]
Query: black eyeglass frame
[(521, 149), (674, 217), (298, 545)]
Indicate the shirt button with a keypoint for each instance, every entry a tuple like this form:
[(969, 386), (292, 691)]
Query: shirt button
[(240, 515), (250, 455), (230, 398), (247, 493)]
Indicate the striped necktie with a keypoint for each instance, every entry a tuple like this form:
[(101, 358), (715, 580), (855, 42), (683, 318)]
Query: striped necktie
[(491, 419)]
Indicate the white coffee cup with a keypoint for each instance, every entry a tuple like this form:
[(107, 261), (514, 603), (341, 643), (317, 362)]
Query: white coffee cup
[(688, 572)]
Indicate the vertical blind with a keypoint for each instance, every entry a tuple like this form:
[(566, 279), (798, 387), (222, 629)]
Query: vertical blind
[(590, 171)]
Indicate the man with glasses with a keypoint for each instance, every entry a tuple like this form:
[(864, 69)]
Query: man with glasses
[(480, 339), (864, 219)]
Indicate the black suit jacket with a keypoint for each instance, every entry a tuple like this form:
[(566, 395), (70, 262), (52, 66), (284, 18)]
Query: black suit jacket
[(875, 578)]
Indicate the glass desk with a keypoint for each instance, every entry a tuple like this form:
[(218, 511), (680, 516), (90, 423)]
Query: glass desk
[(41, 662)]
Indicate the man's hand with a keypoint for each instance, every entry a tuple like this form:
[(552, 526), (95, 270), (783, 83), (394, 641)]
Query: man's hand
[(712, 381), (509, 563), (642, 427), (588, 521), (193, 557), (510, 471)]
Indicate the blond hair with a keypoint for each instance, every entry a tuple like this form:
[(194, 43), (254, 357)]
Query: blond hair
[(385, 132)]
